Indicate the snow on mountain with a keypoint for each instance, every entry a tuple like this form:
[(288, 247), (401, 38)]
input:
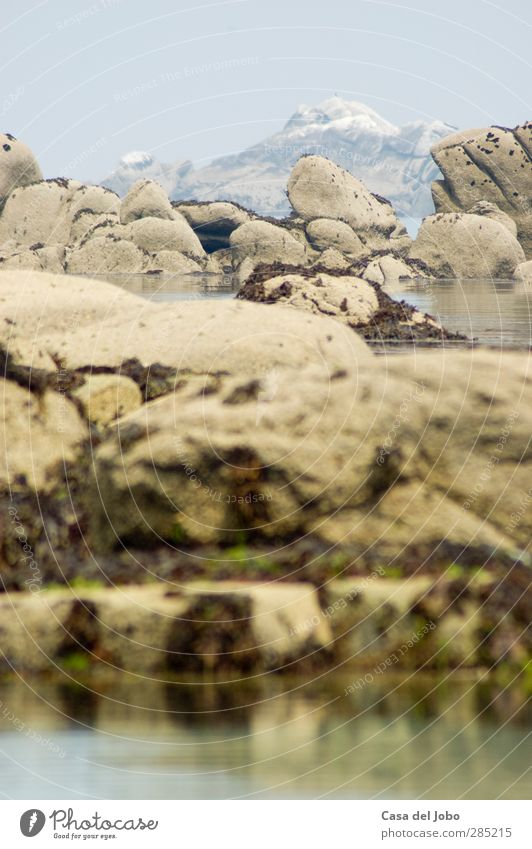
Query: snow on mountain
[(140, 165), (392, 161)]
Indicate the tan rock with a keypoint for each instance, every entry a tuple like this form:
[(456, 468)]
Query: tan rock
[(145, 199), (39, 433), (326, 233), (463, 245), (156, 234), (18, 166), (317, 188), (265, 242), (104, 255), (105, 397)]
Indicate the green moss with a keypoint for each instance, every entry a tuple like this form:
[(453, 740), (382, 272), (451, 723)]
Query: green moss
[(76, 661)]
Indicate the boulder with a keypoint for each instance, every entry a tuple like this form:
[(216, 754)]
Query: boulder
[(491, 210), (317, 188), (386, 457), (39, 213), (347, 298), (37, 305), (18, 166), (156, 234), (40, 433), (104, 255), (463, 245), (209, 337), (343, 296), (105, 397), (333, 260), (523, 272), (213, 222), (261, 241), (492, 164), (325, 233), (145, 199), (388, 271), (204, 627), (172, 262), (34, 258)]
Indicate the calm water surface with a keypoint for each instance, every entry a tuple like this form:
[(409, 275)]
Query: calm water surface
[(418, 738), (495, 312)]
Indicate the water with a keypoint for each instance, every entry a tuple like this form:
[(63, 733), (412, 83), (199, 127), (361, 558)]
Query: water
[(406, 737), (494, 312)]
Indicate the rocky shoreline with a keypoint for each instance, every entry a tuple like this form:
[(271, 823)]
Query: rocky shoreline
[(244, 485)]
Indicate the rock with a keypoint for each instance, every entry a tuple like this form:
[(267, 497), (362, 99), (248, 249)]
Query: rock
[(205, 627), (265, 242), (42, 432), (318, 188), (343, 296), (105, 254), (491, 210), (388, 271), (523, 272), (333, 260), (210, 337), (105, 397), (357, 456), (94, 200), (373, 617), (325, 233), (18, 166), (347, 298), (37, 305), (39, 213), (493, 164), (214, 222), (172, 262), (463, 245), (145, 199), (34, 258), (86, 223), (156, 234)]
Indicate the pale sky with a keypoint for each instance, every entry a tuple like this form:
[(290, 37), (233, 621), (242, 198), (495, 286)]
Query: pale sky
[(85, 81)]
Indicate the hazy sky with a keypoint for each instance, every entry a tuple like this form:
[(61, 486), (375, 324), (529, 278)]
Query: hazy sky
[(84, 81)]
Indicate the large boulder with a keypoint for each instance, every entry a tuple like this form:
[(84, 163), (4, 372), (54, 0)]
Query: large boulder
[(492, 164), (463, 245), (39, 213), (210, 338), (18, 166), (145, 199), (261, 241), (35, 306), (156, 234), (318, 188), (324, 233), (82, 322), (342, 295), (427, 455), (104, 255)]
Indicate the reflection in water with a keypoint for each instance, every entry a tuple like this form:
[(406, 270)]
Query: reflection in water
[(392, 739), (496, 312), (175, 287)]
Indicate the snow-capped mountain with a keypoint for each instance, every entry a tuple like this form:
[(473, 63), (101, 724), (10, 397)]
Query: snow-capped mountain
[(392, 161), (139, 165)]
